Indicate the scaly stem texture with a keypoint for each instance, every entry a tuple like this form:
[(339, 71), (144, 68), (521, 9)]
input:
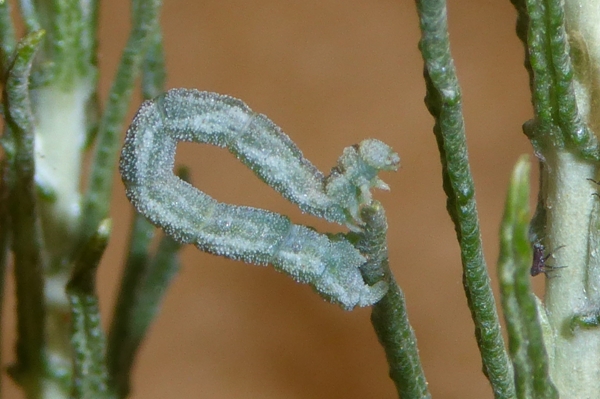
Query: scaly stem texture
[(90, 375), (563, 69), (389, 317), (444, 103)]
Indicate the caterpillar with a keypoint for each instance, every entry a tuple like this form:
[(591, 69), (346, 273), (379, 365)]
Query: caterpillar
[(329, 263)]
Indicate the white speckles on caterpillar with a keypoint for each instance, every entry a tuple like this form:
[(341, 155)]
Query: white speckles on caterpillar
[(249, 234)]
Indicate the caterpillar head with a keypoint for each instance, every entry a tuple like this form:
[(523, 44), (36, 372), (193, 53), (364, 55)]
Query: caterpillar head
[(378, 155), (351, 181)]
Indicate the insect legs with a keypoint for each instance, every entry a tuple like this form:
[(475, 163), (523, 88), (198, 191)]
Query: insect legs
[(538, 264)]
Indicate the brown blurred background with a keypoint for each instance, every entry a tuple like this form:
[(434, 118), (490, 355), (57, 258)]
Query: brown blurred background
[(330, 73)]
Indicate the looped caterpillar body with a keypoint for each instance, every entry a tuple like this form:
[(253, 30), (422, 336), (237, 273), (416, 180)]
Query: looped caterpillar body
[(329, 264)]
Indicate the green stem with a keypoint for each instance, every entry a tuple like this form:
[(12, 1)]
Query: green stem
[(143, 286), (153, 68), (444, 103), (565, 97), (522, 314), (90, 376), (129, 326), (571, 206), (558, 123), (149, 291), (97, 198), (120, 330), (26, 234), (389, 317)]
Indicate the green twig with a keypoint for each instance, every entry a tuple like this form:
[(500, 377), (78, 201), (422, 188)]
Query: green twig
[(444, 103), (26, 235), (526, 340), (120, 329), (389, 316), (70, 46), (97, 198), (90, 376), (66, 29), (143, 286), (89, 39), (135, 307), (541, 27), (521, 30), (89, 44), (153, 68), (158, 274)]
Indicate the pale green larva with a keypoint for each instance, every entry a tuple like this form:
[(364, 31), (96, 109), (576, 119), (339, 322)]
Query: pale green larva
[(330, 264)]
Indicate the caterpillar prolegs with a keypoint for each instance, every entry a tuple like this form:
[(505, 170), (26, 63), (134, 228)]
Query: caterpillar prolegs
[(329, 263)]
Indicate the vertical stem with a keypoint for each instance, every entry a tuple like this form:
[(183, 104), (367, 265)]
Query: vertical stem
[(444, 103), (523, 313), (26, 236), (569, 203), (389, 317), (90, 375), (97, 198)]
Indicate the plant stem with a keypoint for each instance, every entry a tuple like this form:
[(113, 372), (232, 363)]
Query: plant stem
[(570, 203), (522, 313), (97, 197), (60, 136), (564, 52), (26, 235), (90, 376), (389, 317), (444, 103)]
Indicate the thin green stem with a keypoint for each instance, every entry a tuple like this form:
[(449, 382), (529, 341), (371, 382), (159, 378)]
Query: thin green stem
[(526, 337), (149, 292), (143, 286), (140, 238), (153, 68), (89, 39), (26, 234), (145, 279), (389, 317), (97, 198), (558, 121), (90, 376), (444, 103)]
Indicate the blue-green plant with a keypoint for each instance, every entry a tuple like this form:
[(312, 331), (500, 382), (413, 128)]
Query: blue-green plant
[(57, 232)]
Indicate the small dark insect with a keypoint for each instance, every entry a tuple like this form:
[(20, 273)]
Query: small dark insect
[(539, 260)]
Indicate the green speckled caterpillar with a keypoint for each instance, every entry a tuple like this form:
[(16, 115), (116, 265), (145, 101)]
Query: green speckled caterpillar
[(329, 263)]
